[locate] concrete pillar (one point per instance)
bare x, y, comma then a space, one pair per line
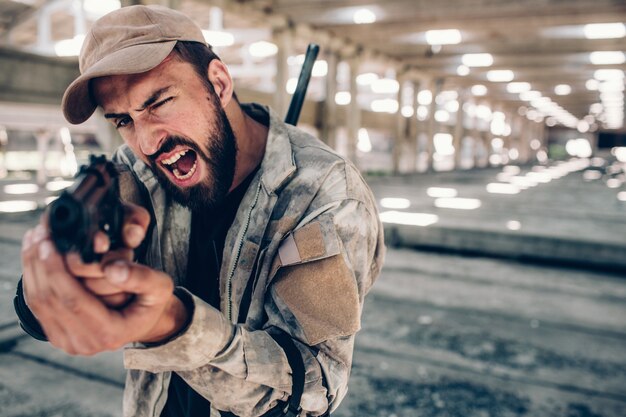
527, 136
43, 140
537, 129
489, 136
172, 4
400, 133
542, 135
476, 136
4, 141
80, 26
532, 156
414, 130
108, 137
329, 121
284, 40
44, 32
126, 3
459, 130
422, 127
508, 139
433, 125
515, 139
354, 111
69, 164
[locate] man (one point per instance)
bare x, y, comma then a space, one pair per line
260, 241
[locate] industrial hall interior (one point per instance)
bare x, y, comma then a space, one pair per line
491, 133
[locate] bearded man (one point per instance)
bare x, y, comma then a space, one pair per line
258, 242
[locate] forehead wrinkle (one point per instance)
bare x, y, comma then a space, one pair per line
153, 98
116, 91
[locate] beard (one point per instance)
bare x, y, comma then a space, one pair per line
219, 154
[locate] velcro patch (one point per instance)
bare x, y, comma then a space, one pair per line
323, 296
313, 241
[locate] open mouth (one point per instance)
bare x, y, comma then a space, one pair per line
182, 164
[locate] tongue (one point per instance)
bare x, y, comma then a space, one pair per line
185, 162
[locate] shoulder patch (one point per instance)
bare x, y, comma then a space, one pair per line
312, 241
323, 296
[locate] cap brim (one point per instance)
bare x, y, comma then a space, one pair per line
78, 104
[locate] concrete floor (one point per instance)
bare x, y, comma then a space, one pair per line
446, 331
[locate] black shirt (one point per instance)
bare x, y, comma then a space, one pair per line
206, 245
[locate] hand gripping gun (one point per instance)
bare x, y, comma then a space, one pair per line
92, 203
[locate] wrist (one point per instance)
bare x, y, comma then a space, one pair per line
174, 321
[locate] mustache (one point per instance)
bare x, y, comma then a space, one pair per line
170, 143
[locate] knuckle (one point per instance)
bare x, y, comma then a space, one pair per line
166, 285
40, 299
61, 343
93, 285
87, 351
71, 303
108, 341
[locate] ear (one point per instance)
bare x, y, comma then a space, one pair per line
221, 80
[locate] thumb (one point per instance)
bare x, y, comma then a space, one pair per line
151, 286
156, 313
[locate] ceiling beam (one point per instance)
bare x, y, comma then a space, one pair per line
495, 24
528, 45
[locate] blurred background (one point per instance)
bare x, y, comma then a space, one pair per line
492, 133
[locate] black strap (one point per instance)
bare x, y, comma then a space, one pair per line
28, 321
294, 357
291, 408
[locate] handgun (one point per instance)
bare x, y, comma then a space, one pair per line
90, 204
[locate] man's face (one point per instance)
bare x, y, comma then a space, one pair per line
174, 122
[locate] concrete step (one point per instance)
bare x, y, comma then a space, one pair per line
551, 249
566, 221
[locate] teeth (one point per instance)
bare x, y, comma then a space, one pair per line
179, 176
174, 158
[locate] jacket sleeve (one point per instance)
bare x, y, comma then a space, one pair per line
316, 297
27, 319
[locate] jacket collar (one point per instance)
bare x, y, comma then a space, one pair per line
277, 165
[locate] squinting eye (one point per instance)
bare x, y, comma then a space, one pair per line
123, 122
160, 103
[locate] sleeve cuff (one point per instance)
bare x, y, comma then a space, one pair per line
207, 334
27, 319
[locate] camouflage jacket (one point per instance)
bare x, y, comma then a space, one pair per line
308, 226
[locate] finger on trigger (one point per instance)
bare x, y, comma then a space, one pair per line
39, 233
101, 242
136, 222
78, 268
124, 254
136, 214
101, 287
117, 300
133, 235
27, 240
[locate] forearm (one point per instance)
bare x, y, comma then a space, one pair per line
220, 360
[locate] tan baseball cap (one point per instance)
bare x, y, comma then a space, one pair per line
130, 40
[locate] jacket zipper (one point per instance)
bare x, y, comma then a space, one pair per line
239, 246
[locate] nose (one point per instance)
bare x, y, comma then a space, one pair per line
149, 137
